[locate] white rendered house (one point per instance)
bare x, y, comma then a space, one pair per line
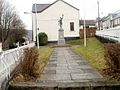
47, 17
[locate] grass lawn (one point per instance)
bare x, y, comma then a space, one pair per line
93, 52
75, 42
44, 55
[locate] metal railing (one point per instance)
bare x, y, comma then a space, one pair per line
9, 60
111, 34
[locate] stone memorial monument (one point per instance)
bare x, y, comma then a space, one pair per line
61, 40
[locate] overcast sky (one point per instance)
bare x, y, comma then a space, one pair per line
106, 6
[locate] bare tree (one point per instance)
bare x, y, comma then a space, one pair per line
12, 28
1, 17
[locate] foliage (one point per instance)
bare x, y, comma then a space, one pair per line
75, 42
32, 63
16, 35
93, 52
12, 28
43, 38
112, 57
29, 62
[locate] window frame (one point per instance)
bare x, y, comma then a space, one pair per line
72, 26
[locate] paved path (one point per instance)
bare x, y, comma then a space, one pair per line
65, 66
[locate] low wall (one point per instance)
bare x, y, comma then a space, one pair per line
9, 59
65, 86
106, 40
112, 34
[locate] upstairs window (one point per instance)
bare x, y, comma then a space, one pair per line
71, 26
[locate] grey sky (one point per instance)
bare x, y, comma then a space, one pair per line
106, 6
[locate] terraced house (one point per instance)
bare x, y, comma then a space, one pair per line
111, 21
110, 27
47, 16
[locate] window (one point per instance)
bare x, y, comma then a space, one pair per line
71, 26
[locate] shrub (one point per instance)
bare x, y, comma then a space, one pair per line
29, 62
43, 38
112, 57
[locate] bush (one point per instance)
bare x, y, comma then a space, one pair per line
43, 38
30, 62
112, 57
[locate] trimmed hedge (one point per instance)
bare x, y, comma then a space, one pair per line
112, 57
43, 38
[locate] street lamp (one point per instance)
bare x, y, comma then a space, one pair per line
98, 15
85, 41
1, 41
37, 39
1, 27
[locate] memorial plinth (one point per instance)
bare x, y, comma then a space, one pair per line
61, 40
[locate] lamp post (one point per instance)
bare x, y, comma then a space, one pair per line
36, 29
85, 41
98, 15
37, 39
1, 27
1, 41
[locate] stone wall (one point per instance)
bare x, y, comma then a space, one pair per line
9, 59
65, 86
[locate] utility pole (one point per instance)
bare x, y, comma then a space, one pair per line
85, 41
37, 39
98, 15
1, 27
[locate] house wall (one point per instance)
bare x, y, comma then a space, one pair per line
47, 21
116, 22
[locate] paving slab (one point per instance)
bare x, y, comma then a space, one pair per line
64, 66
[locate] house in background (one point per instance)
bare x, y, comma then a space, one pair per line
90, 28
48, 16
88, 23
110, 21
110, 27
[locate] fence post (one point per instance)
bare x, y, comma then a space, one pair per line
0, 46
18, 44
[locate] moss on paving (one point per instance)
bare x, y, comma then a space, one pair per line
93, 52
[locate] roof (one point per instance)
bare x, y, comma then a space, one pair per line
88, 22
42, 7
116, 15
112, 16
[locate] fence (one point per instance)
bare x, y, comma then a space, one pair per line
90, 32
9, 60
111, 34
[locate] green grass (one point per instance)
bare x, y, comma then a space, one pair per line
93, 52
44, 55
51, 44
74, 42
